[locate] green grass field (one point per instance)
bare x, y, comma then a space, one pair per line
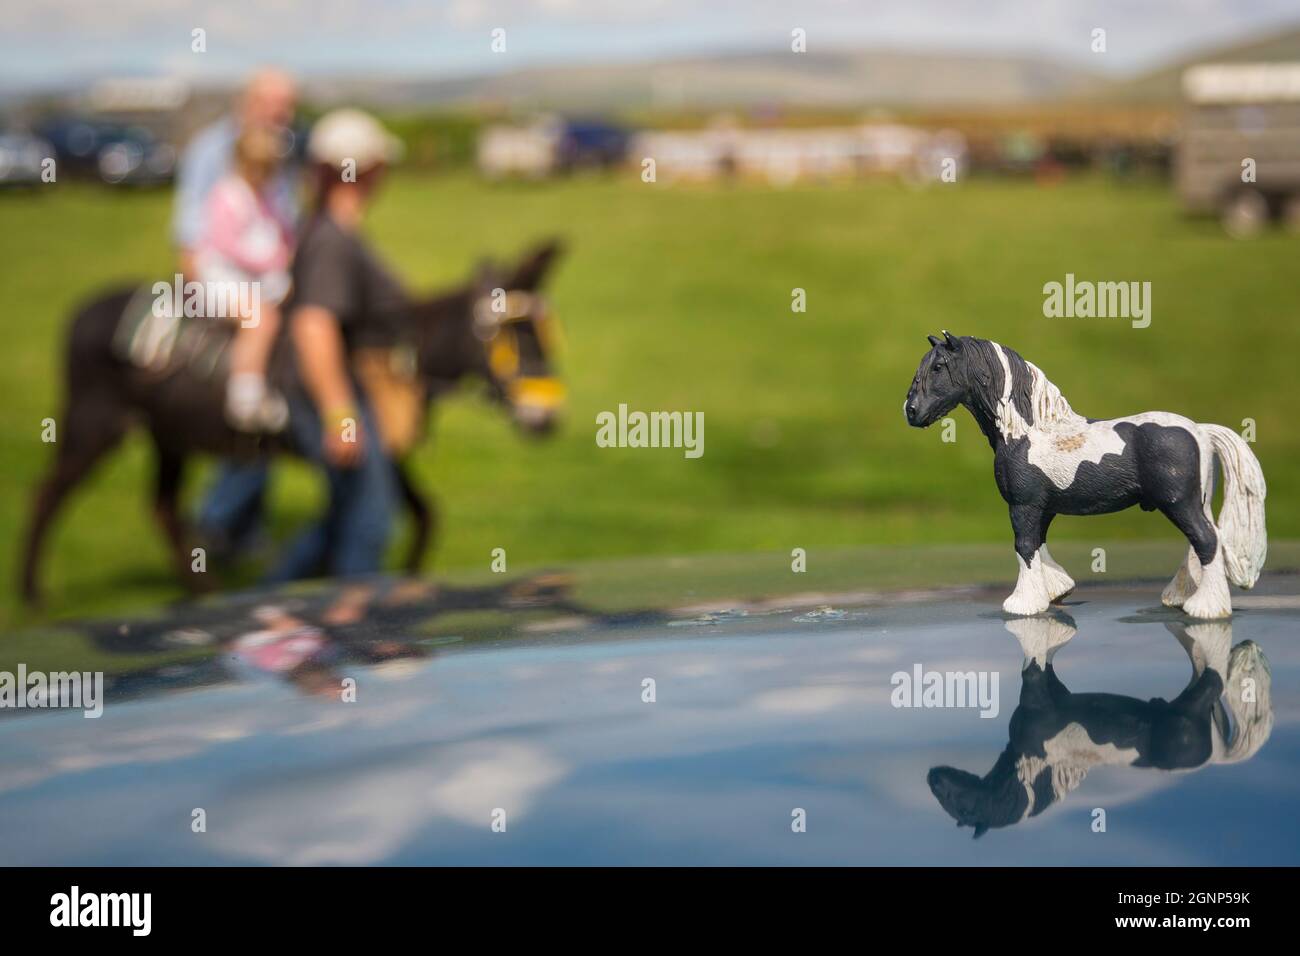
679, 298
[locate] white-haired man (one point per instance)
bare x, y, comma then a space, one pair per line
232, 511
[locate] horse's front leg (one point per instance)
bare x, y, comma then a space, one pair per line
1058, 580
1032, 594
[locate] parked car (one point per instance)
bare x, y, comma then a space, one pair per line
549, 146
21, 158
591, 144
111, 153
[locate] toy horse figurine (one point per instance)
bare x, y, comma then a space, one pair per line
1049, 460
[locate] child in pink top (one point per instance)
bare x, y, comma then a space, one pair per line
244, 241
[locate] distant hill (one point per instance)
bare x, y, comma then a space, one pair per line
1165, 83
833, 80
843, 79
827, 79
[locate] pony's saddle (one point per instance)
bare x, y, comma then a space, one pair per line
152, 336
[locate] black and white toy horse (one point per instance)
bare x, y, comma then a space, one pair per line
1049, 460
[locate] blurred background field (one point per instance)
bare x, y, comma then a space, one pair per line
679, 297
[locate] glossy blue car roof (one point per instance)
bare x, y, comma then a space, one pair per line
534, 739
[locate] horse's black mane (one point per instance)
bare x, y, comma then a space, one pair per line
979, 363
985, 376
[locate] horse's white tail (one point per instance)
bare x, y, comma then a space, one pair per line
1241, 519
1247, 693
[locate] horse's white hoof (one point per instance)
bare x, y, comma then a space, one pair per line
1057, 582
1025, 605
1178, 590
1040, 637
1208, 606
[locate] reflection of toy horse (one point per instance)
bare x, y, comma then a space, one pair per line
1224, 715
1049, 460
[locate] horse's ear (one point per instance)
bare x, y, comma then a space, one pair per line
934, 341
484, 272
950, 341
532, 269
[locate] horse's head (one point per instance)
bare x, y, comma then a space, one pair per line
997, 800
501, 330
941, 382
518, 333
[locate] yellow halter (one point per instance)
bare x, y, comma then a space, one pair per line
497, 328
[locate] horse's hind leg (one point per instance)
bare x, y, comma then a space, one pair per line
1188, 576
1211, 598
1185, 580
1055, 578
91, 429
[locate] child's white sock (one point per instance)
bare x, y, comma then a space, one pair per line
245, 393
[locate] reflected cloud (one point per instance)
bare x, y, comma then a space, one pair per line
367, 816
812, 699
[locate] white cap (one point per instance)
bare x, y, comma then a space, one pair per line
348, 134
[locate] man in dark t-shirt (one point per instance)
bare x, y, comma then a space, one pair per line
336, 270
343, 299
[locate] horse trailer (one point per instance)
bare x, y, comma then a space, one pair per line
1239, 154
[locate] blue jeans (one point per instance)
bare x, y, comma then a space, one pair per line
352, 535
231, 513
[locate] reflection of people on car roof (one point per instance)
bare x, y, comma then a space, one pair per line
283, 643
305, 636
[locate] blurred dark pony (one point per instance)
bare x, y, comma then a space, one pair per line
125, 366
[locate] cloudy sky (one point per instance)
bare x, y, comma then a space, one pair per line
51, 40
